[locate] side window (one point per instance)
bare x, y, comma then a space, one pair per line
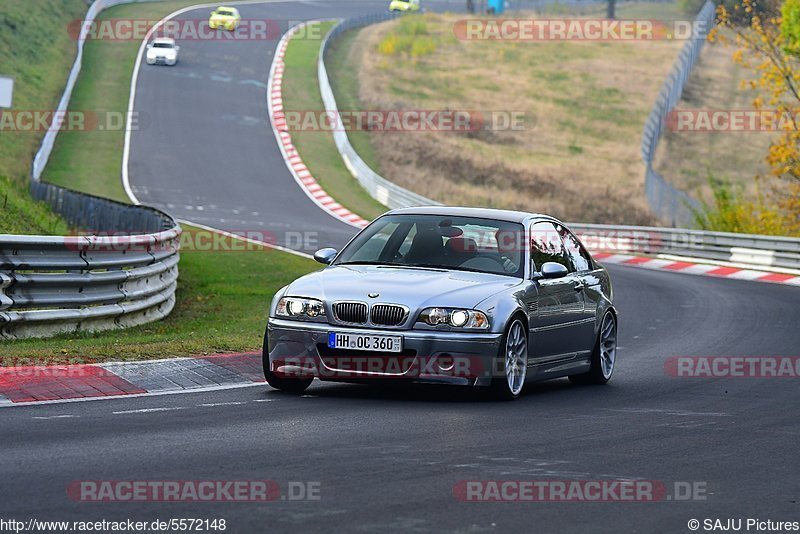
580, 259
546, 246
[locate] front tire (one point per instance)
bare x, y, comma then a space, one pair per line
604, 355
513, 360
281, 383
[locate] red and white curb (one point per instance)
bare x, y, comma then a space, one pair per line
689, 267
290, 155
32, 384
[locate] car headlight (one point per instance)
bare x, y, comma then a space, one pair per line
299, 307
454, 317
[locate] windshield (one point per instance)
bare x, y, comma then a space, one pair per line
225, 13
439, 242
162, 45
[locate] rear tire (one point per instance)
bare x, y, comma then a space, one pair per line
604, 355
281, 383
512, 359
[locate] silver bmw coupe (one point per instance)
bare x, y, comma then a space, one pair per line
470, 296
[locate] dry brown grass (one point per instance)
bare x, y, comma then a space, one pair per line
687, 159
585, 103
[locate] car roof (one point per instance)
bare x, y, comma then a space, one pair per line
480, 213
165, 40
227, 8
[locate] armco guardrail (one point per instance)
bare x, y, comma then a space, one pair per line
123, 277
381, 189
755, 251
666, 201
122, 273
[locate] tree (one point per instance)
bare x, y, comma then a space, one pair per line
767, 37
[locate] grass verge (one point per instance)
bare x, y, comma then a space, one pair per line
341, 55
222, 306
36, 50
301, 93
223, 295
584, 105
688, 158
91, 161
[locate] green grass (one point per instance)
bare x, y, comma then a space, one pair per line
584, 104
345, 87
91, 161
19, 214
223, 296
222, 305
36, 50
319, 153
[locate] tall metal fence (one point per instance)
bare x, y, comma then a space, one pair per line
121, 272
667, 202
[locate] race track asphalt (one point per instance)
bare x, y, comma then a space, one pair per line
387, 459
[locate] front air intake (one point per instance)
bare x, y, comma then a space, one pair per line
388, 314
350, 312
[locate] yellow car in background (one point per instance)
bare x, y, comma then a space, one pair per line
224, 18
404, 5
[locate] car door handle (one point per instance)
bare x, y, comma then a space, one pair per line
579, 286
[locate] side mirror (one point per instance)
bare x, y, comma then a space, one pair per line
149, 46
552, 270
177, 48
325, 255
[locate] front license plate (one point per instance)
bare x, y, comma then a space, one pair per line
370, 342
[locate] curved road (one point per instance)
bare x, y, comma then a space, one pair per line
388, 459
208, 154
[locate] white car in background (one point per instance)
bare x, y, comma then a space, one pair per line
162, 51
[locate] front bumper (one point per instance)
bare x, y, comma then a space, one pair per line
161, 61
222, 25
300, 349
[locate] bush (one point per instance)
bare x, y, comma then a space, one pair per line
729, 211
410, 37
388, 45
423, 46
412, 25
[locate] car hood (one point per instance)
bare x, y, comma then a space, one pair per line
415, 288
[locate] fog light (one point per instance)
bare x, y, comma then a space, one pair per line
445, 363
